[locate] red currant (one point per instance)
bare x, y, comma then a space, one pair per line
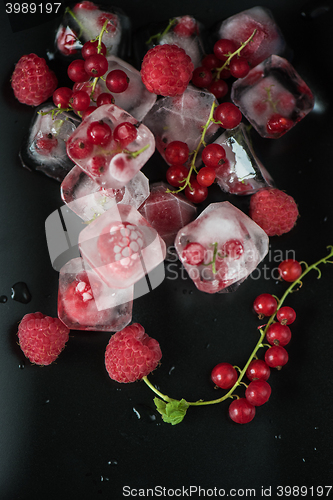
80, 100
125, 133
88, 111
76, 71
99, 133
219, 89
210, 61
79, 148
202, 77
239, 67
176, 174
233, 249
96, 65
276, 356
286, 315
265, 305
97, 165
290, 270
176, 153
90, 48
258, 392
228, 114
279, 124
196, 193
258, 369
278, 334
206, 176
117, 81
223, 48
213, 155
224, 375
61, 97
241, 411
104, 98
45, 144
194, 253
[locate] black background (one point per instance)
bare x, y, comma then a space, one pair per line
67, 430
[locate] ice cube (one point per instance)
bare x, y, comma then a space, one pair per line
221, 247
267, 40
181, 118
44, 148
85, 302
121, 246
273, 97
167, 212
242, 172
89, 200
114, 164
84, 21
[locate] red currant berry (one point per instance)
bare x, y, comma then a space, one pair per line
278, 334
76, 71
276, 356
196, 193
241, 411
239, 67
290, 270
206, 176
218, 88
125, 133
210, 61
202, 77
258, 392
88, 111
97, 165
224, 375
104, 98
80, 100
286, 315
111, 25
45, 144
117, 81
233, 249
176, 174
176, 153
258, 369
278, 124
90, 48
99, 133
61, 97
79, 148
96, 65
213, 155
194, 253
265, 305
228, 114
223, 48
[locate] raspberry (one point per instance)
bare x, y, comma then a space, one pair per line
273, 210
131, 354
166, 70
42, 338
32, 80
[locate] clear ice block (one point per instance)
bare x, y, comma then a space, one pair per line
121, 246
267, 40
181, 118
117, 165
273, 97
89, 200
85, 302
44, 148
167, 212
242, 172
83, 21
231, 246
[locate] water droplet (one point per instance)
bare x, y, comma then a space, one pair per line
3, 299
20, 292
145, 413
113, 462
136, 412
22, 365
171, 369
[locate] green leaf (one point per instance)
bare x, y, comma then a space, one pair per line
173, 412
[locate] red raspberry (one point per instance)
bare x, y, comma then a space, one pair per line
131, 354
42, 338
166, 70
32, 80
273, 210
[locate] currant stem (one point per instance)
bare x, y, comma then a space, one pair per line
158, 36
237, 52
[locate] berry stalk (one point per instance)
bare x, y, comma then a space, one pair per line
173, 411
237, 52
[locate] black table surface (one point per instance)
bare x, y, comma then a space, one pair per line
67, 430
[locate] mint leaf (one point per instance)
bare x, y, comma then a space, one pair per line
173, 412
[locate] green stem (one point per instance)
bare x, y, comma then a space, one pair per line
158, 36
237, 52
